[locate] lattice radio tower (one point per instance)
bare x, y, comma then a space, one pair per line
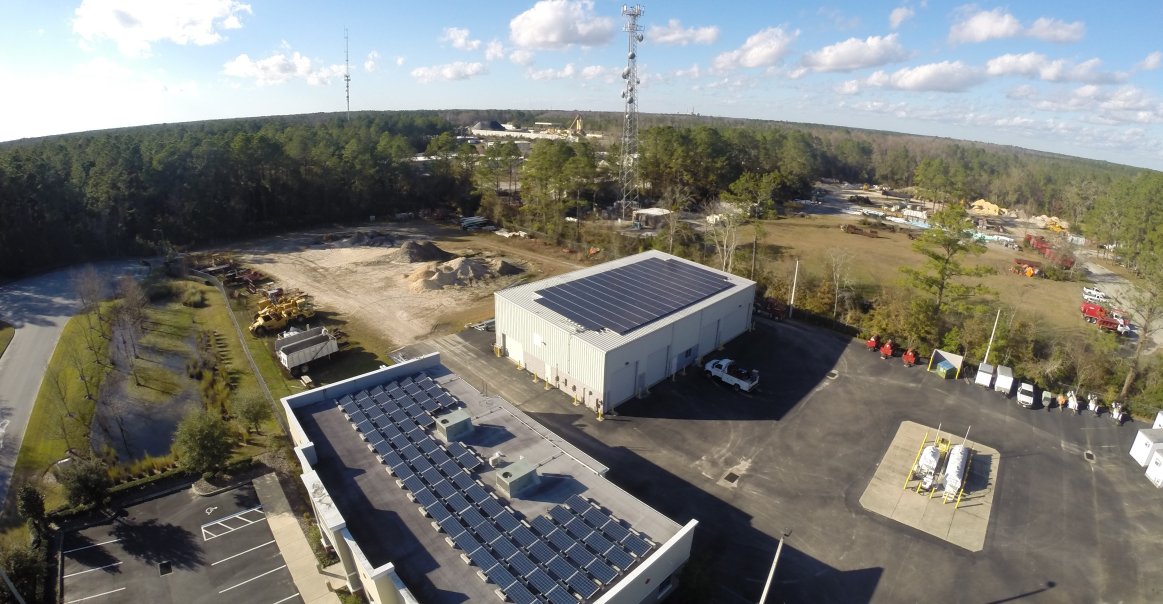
629, 161
347, 73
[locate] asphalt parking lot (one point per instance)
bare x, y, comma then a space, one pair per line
179, 548
1065, 527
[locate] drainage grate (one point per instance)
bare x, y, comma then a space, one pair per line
731, 477
165, 568
1089, 456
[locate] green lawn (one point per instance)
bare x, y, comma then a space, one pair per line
6, 333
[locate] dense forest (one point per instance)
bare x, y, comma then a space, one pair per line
120, 192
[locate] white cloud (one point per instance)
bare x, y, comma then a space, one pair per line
400, 61
494, 50
372, 62
945, 76
985, 25
853, 54
764, 49
1023, 92
280, 68
457, 70
1037, 65
521, 56
135, 25
848, 87
560, 24
458, 38
593, 72
1151, 62
899, 15
693, 72
552, 74
1053, 30
675, 34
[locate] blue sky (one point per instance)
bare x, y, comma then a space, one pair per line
1080, 78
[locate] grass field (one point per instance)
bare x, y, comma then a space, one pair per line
6, 333
876, 261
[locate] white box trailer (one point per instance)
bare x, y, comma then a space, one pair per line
1004, 382
985, 373
1158, 421
1155, 468
297, 351
1147, 442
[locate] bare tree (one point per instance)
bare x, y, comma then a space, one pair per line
839, 263
723, 220
90, 290
676, 200
133, 301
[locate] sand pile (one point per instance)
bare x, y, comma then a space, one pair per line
454, 273
358, 239
421, 251
506, 268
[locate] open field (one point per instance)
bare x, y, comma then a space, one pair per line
6, 333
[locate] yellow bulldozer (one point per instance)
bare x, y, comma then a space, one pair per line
273, 317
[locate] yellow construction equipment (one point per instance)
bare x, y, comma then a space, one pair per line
274, 317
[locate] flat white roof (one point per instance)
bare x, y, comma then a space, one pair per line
526, 295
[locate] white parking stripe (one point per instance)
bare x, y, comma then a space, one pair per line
241, 553
77, 549
96, 596
253, 579
90, 570
286, 598
221, 522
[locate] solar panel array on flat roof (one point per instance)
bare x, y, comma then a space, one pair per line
568, 555
627, 297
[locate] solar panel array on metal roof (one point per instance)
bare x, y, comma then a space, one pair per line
627, 297
570, 554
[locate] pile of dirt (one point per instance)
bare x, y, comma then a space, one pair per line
422, 251
358, 239
506, 268
454, 273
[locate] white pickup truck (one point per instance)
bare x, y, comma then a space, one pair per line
726, 371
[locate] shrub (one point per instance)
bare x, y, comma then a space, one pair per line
193, 297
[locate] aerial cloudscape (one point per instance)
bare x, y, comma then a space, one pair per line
1079, 78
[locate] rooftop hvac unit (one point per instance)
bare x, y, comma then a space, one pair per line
454, 425
517, 479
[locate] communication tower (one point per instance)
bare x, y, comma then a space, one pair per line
347, 73
628, 165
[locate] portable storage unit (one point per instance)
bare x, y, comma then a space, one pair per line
984, 377
1004, 383
1146, 443
1158, 421
1155, 468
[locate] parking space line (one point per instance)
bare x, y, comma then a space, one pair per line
253, 579
96, 596
221, 522
89, 570
241, 553
294, 595
77, 549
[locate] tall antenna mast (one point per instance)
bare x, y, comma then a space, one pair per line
628, 165
347, 72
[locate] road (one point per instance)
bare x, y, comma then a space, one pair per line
38, 308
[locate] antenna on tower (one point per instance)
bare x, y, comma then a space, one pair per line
347, 73
628, 165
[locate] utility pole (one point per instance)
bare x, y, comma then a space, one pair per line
791, 304
628, 166
989, 346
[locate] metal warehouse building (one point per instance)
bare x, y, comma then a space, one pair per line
607, 333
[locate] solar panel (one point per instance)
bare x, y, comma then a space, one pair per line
539, 580
430, 404
427, 445
619, 558
406, 425
491, 507
444, 489
393, 460
413, 409
402, 471
365, 427
461, 479
374, 437
519, 594
483, 559
413, 483
388, 405
405, 382
578, 529
431, 475
503, 548
457, 503
487, 532
560, 540
541, 551
398, 415
597, 543
374, 391
438, 512
615, 531
410, 452
560, 568
468, 460
378, 418
579, 555
424, 497
542, 525
578, 504
424, 420
595, 518
476, 494
451, 526
466, 541
637, 545
412, 389
349, 407
356, 416
500, 576
439, 457
380, 398
560, 515
627, 297
399, 441
523, 536
583, 585
507, 521
521, 564
471, 517
390, 431
602, 572
396, 392
382, 447
560, 596
456, 448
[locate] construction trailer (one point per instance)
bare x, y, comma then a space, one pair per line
985, 374
1155, 468
1004, 383
297, 351
607, 333
1147, 442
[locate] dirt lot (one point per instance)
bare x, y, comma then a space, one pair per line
392, 291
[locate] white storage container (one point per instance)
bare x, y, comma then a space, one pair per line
1158, 421
1004, 383
984, 377
1155, 468
1146, 443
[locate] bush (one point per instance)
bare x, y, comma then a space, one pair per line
27, 568
193, 297
202, 443
86, 481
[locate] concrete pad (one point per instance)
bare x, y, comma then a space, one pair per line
963, 523
300, 559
